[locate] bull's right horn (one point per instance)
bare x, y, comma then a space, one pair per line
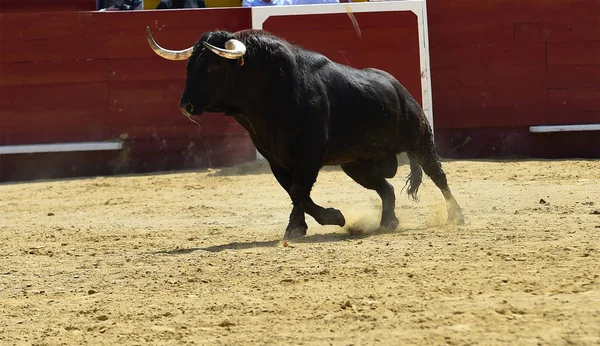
234, 49
166, 53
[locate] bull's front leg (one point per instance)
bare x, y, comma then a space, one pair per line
304, 152
324, 216
297, 225
307, 158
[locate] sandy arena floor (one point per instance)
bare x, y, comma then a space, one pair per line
196, 258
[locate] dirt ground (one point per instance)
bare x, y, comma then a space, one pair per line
197, 257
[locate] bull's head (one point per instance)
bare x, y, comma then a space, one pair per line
210, 70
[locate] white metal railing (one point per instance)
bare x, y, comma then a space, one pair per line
59, 147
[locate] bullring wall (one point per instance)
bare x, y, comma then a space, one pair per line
90, 76
501, 66
497, 67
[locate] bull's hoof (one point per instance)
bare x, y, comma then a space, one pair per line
456, 218
331, 216
390, 223
295, 231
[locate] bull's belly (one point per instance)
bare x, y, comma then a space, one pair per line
337, 155
372, 139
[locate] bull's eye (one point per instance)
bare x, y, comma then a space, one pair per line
213, 68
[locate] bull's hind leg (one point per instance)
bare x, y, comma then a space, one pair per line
429, 160
372, 175
324, 216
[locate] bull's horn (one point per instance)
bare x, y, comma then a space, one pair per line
166, 53
234, 49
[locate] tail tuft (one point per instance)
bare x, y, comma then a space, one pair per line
414, 179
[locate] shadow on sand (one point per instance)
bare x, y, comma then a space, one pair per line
351, 234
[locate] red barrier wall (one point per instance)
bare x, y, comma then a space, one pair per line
500, 66
90, 76
497, 67
22, 6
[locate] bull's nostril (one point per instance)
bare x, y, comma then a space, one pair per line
189, 108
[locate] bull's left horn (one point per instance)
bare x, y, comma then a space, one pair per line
166, 53
234, 49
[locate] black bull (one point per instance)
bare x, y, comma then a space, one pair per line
304, 111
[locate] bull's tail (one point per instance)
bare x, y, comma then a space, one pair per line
414, 179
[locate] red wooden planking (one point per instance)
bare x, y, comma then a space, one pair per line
511, 75
151, 69
199, 20
43, 97
564, 116
511, 96
510, 141
346, 38
505, 67
439, 11
506, 75
38, 26
137, 157
94, 35
584, 13
575, 99
505, 96
448, 78
53, 72
166, 114
583, 19
586, 31
182, 153
549, 11
18, 6
70, 124
230, 150
500, 11
336, 21
515, 53
456, 65
72, 47
52, 36
586, 52
25, 167
210, 125
543, 32
396, 61
137, 92
151, 131
444, 98
455, 57
572, 76
159, 113
501, 116
466, 34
